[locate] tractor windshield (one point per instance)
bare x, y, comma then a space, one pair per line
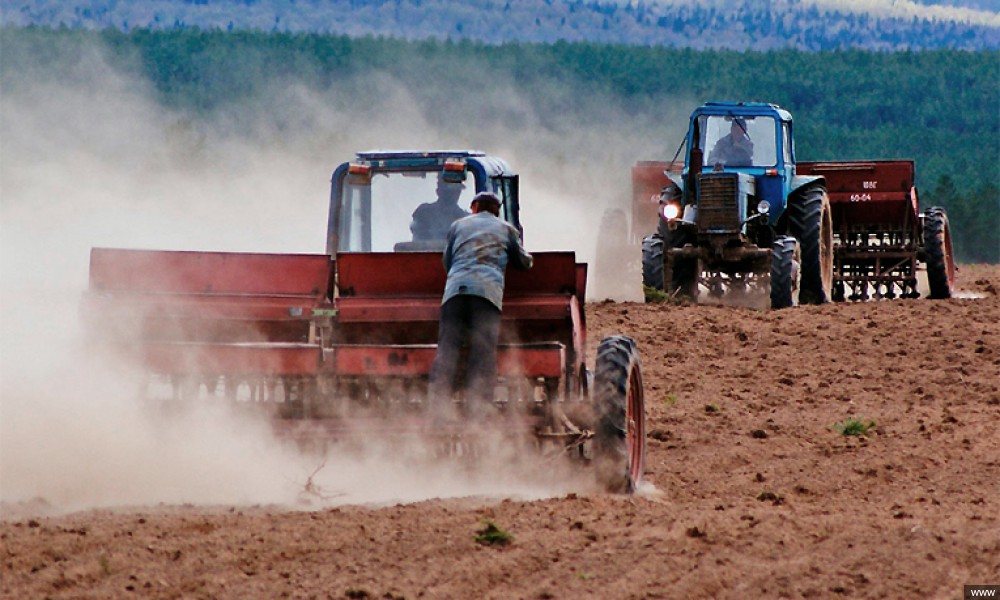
738, 141
400, 211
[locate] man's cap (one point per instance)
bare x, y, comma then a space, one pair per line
487, 198
742, 124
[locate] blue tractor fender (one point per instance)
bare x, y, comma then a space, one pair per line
800, 181
676, 178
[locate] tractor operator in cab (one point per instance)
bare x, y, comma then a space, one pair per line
734, 149
431, 220
479, 248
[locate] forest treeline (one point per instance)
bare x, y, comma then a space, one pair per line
938, 107
730, 24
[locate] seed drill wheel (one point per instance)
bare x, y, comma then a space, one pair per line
810, 221
619, 449
937, 246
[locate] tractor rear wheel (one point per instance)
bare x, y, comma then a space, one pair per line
937, 246
784, 271
810, 221
619, 447
652, 261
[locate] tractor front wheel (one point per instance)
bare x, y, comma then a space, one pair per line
937, 246
652, 261
784, 271
619, 446
810, 222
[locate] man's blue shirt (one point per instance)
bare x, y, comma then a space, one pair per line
476, 257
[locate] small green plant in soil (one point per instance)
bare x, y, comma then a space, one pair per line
652, 294
492, 535
657, 296
854, 426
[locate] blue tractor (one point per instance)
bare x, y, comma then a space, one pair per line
738, 220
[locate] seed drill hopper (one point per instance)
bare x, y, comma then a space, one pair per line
880, 235
341, 343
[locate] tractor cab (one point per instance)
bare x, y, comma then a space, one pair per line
746, 146
406, 201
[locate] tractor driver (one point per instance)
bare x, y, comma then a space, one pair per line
431, 220
479, 248
734, 149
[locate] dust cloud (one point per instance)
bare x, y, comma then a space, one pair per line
89, 158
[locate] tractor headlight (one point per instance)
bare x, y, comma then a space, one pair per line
670, 211
763, 207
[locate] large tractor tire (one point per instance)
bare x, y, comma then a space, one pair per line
652, 261
784, 271
681, 280
810, 221
619, 445
937, 247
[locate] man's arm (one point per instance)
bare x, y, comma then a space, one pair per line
518, 256
449, 250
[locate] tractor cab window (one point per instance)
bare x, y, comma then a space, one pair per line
786, 143
400, 211
738, 141
506, 187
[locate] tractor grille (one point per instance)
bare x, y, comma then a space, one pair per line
718, 211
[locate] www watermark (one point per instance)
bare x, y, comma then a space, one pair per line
979, 592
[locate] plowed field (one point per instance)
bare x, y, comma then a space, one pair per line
753, 492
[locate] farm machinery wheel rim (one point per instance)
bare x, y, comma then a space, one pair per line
636, 434
826, 246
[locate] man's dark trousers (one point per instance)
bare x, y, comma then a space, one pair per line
473, 321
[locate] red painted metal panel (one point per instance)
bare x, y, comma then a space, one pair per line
209, 272
552, 273
539, 307
406, 361
399, 275
581, 283
248, 308
542, 360
352, 309
529, 360
869, 193
416, 274
232, 359
205, 297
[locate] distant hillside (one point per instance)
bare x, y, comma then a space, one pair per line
704, 24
